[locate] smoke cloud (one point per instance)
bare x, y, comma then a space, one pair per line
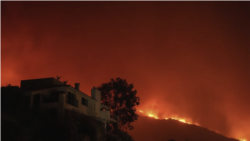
185, 59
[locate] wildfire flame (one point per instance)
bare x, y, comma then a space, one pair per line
183, 120
150, 115
173, 118
141, 111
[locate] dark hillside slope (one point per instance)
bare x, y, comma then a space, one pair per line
149, 129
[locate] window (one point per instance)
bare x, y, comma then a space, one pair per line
84, 101
71, 99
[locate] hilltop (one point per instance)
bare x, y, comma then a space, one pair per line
148, 129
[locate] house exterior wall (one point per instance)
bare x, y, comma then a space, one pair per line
87, 110
105, 115
93, 107
43, 106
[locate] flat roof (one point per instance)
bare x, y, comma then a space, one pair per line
49, 87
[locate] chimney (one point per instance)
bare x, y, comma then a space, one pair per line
96, 94
77, 85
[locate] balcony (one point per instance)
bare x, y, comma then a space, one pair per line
52, 97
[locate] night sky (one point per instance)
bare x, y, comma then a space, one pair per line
189, 59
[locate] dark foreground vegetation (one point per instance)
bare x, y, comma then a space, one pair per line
21, 124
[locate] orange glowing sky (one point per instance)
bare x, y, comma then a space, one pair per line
186, 59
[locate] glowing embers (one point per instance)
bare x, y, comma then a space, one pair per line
150, 115
179, 119
173, 118
183, 120
140, 111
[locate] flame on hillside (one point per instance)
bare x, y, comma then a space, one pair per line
173, 118
183, 120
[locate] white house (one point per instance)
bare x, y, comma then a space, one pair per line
56, 97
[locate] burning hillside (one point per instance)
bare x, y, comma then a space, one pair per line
150, 127
173, 121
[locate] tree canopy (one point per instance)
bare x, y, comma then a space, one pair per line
120, 97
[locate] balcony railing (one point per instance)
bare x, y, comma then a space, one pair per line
52, 97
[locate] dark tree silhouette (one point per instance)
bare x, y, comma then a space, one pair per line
121, 99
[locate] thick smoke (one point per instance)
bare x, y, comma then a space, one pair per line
185, 59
